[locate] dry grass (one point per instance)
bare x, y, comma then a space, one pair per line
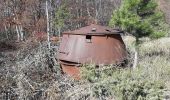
164, 5
27, 75
24, 75
156, 47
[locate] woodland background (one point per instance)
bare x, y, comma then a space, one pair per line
29, 70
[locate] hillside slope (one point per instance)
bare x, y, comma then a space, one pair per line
164, 5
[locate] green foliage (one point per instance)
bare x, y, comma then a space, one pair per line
61, 15
123, 84
140, 18
158, 34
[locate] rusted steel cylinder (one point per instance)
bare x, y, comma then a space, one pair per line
92, 44
71, 69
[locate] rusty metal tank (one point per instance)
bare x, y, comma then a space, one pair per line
91, 44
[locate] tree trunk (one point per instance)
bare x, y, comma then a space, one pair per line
136, 53
6, 32
18, 33
21, 33
135, 59
59, 33
48, 34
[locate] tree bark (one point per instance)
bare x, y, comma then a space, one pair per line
18, 34
6, 32
59, 33
136, 53
48, 34
21, 33
135, 59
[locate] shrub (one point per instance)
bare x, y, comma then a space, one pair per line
123, 84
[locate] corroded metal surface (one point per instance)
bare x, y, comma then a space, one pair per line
94, 30
98, 50
72, 70
92, 44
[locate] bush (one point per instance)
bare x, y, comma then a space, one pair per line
123, 84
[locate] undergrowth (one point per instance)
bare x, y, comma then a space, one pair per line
27, 75
149, 81
124, 84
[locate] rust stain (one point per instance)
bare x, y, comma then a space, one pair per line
92, 44
71, 69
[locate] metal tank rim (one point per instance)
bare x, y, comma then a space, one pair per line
94, 29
